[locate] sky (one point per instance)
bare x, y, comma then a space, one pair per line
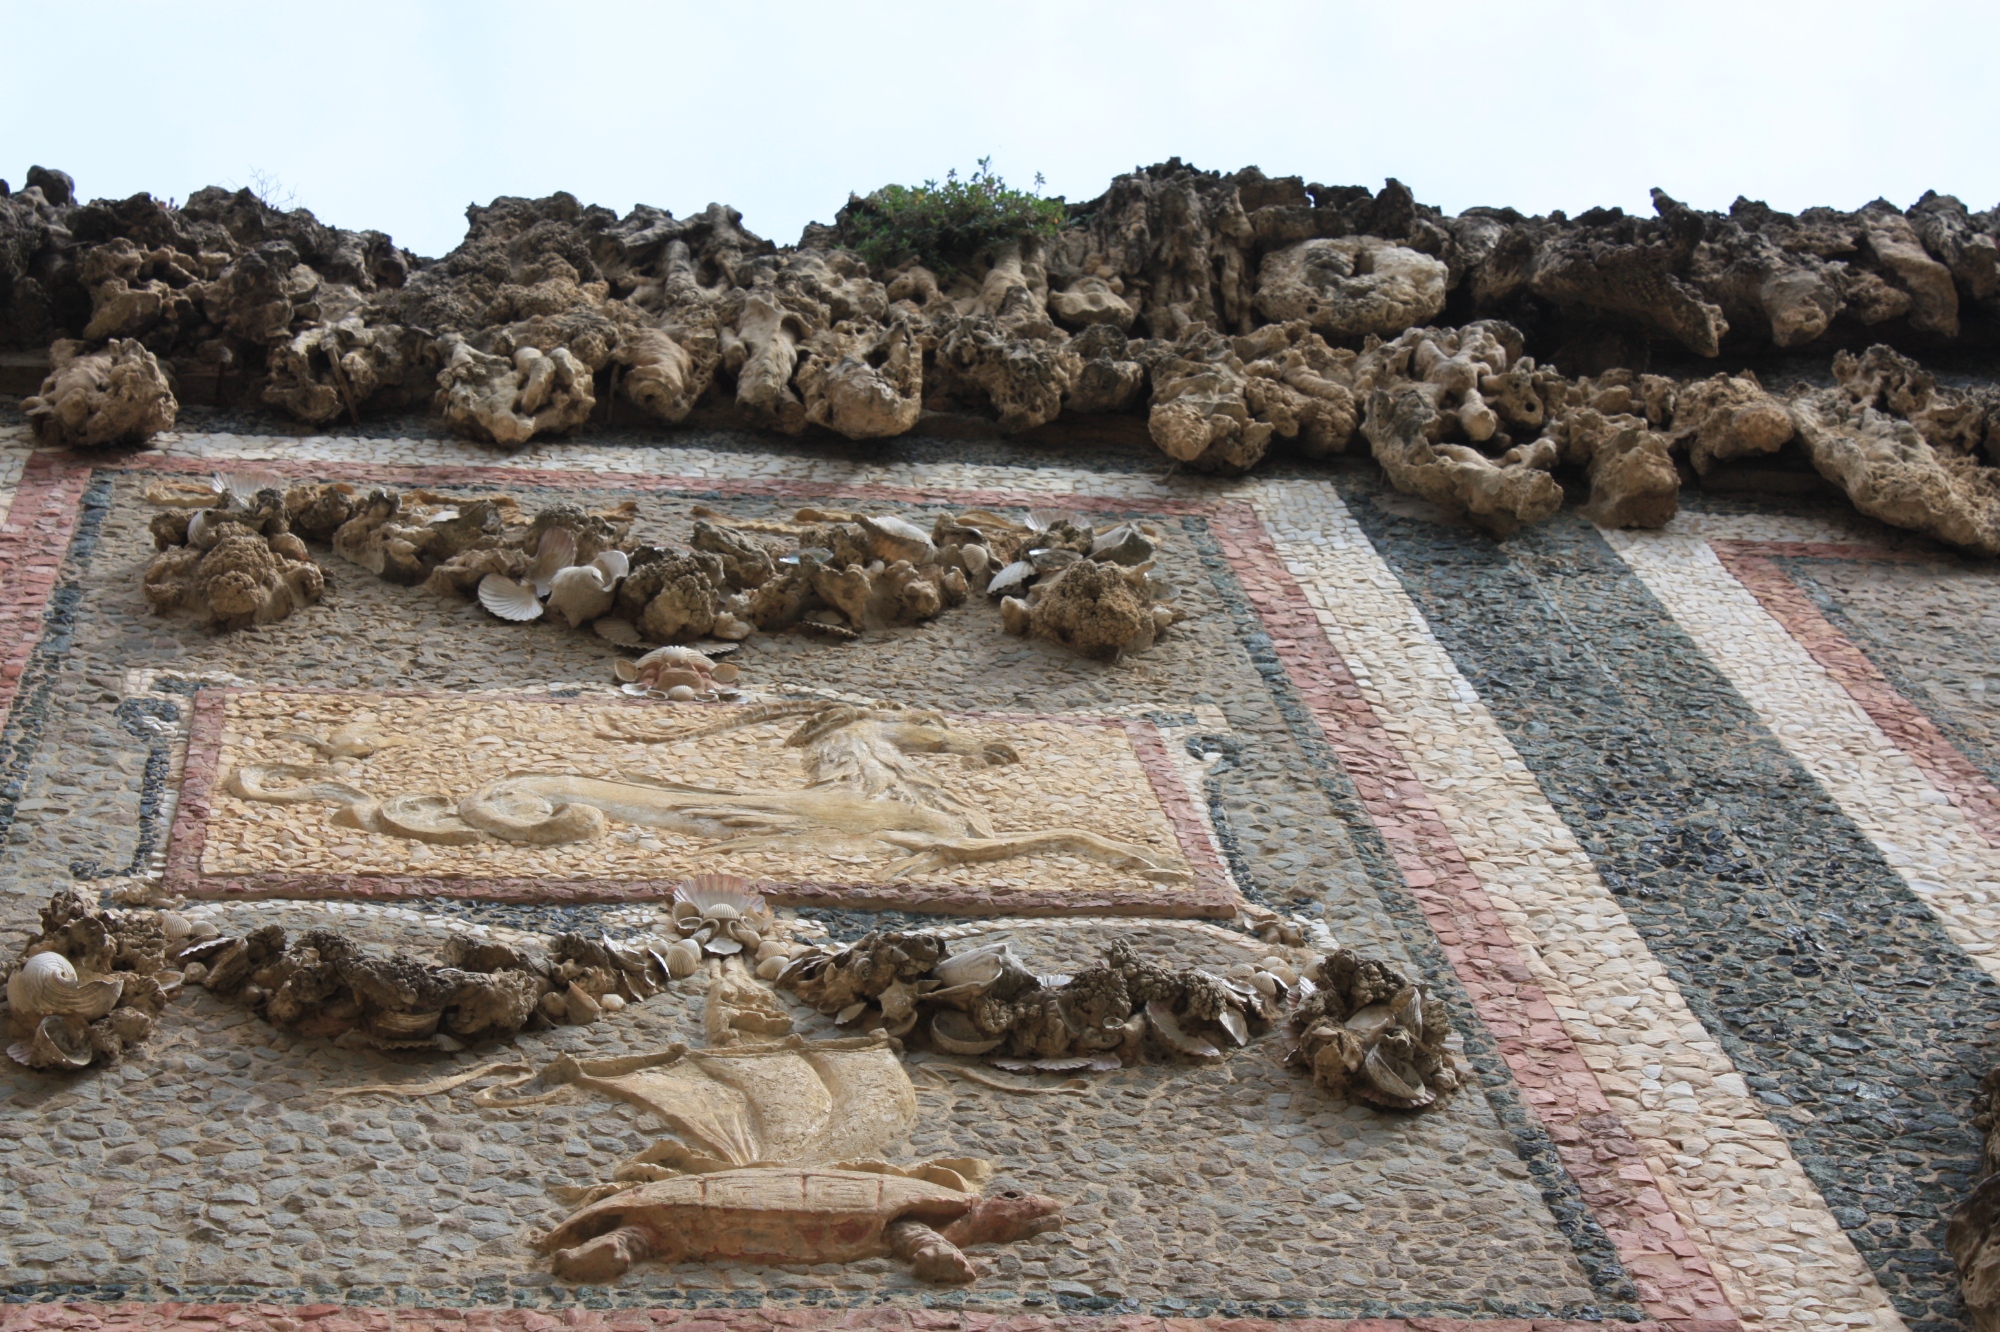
395, 116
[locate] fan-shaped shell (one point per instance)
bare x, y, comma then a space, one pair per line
682, 958
613, 564
557, 550
676, 655
508, 599
1011, 579
47, 983
1161, 1016
700, 896
620, 632
404, 1026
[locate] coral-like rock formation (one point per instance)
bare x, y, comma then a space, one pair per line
232, 564
323, 984
117, 395
92, 983
1368, 1032
1238, 312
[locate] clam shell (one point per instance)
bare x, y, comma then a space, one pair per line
723, 946
953, 1032
556, 551
770, 968
727, 672
508, 599
47, 983
617, 631
1011, 579
850, 1013
611, 1003
1232, 1022
624, 668
404, 1026
683, 957
613, 564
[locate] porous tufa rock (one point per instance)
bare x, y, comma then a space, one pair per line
116, 395
1499, 496
1301, 386
1201, 412
1892, 473
1096, 609
864, 383
1727, 417
232, 567
508, 400
1351, 285
347, 366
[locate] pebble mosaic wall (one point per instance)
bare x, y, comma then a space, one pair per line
1696, 832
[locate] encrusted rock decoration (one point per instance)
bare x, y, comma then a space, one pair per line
1365, 1032
92, 984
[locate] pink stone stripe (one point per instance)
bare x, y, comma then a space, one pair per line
1674, 1280
1211, 896
136, 1317
1755, 565
32, 542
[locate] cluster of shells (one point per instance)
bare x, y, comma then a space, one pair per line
323, 984
1358, 1026
721, 916
825, 573
228, 555
92, 983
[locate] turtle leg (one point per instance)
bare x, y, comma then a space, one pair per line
607, 1257
930, 1255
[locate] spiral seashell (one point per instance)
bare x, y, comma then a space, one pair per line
47, 983
57, 1043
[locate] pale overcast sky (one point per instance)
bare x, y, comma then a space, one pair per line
396, 115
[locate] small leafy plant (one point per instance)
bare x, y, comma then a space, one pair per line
943, 226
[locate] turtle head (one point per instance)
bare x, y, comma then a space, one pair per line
1006, 1216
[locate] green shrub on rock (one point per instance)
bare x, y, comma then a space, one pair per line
943, 226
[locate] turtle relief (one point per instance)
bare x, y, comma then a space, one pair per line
870, 793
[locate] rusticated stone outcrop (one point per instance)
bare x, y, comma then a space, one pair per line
1234, 313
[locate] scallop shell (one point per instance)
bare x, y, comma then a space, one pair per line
702, 895
1041, 520
404, 1026
1015, 576
1161, 1016
508, 599
613, 564
556, 551
723, 946
682, 959
624, 668
618, 631
47, 983
1232, 1022
953, 1032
